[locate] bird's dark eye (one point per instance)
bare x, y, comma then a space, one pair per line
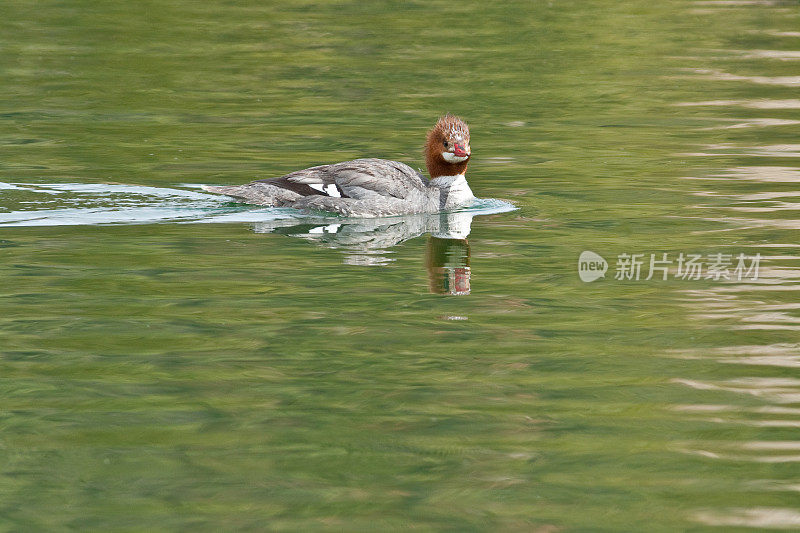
446, 144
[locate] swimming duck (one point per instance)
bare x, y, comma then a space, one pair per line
374, 187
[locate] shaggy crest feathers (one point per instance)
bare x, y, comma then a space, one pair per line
453, 127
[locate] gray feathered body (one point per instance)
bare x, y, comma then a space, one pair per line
363, 187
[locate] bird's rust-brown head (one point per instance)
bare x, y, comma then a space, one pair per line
447, 150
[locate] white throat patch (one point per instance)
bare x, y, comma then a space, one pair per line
452, 158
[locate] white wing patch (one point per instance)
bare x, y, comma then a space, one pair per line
329, 189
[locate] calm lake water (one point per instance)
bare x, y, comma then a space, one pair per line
172, 361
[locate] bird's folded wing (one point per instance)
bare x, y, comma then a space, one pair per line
362, 178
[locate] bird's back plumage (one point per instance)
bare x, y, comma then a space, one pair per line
362, 186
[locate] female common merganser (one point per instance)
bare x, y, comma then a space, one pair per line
374, 187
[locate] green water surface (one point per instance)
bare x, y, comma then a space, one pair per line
204, 377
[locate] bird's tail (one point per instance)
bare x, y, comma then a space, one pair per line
230, 190
254, 193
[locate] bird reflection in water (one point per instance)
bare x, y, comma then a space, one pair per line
368, 241
447, 261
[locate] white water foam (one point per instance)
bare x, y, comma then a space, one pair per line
69, 204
